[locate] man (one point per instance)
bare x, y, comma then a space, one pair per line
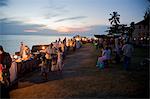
127, 52
49, 51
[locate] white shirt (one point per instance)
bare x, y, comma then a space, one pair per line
127, 50
49, 51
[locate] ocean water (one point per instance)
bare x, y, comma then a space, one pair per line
11, 43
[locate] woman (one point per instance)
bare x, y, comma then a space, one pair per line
59, 64
26, 53
5, 62
59, 59
106, 55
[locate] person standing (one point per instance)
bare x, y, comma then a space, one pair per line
26, 53
127, 52
60, 60
21, 49
49, 51
5, 62
44, 68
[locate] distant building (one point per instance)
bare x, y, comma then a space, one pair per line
142, 29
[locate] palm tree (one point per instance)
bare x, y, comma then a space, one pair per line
114, 20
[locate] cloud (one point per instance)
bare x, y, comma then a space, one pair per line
98, 29
3, 19
8, 27
30, 30
87, 30
71, 18
54, 9
72, 29
49, 16
3, 3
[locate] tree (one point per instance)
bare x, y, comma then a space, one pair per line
114, 20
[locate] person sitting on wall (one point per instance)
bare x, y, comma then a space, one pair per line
104, 58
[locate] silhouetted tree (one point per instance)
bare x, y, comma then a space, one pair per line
114, 20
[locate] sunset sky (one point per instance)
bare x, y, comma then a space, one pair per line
66, 16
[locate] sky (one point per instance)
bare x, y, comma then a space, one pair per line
66, 16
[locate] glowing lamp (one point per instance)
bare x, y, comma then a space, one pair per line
95, 38
43, 47
70, 44
147, 38
141, 38
67, 44
134, 38
83, 39
77, 39
15, 56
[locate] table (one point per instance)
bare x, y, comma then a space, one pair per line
27, 66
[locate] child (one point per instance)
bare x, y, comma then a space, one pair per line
44, 68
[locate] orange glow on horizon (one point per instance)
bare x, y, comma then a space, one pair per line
30, 30
70, 29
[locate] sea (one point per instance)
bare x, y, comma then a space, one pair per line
11, 43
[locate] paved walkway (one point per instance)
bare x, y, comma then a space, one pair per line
74, 60
81, 78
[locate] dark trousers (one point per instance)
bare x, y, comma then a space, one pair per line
126, 63
117, 58
4, 93
49, 63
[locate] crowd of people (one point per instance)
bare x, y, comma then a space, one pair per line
53, 56
118, 47
52, 60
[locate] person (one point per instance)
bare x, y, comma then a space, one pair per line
1, 74
106, 56
26, 53
5, 62
44, 68
117, 50
63, 49
74, 45
127, 52
21, 49
48, 55
59, 59
58, 65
